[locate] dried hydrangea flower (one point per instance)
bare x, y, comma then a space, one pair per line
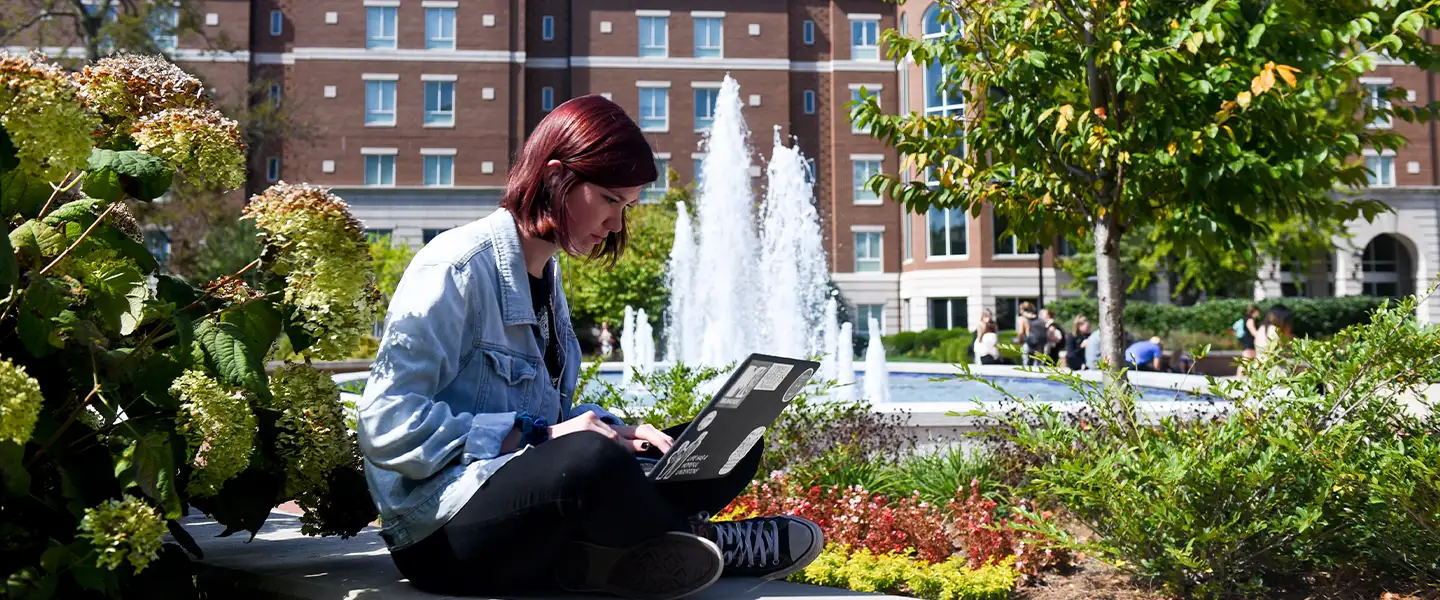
313, 438
322, 253
20, 402
41, 110
123, 530
125, 87
218, 426
232, 288
202, 144
123, 219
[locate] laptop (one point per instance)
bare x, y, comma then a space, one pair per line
734, 420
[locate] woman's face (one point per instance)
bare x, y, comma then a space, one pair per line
596, 212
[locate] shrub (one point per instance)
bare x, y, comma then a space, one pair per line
1313, 317
134, 393
894, 573
674, 391
1319, 468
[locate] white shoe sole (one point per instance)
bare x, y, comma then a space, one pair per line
673, 565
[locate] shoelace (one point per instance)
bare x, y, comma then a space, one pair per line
749, 543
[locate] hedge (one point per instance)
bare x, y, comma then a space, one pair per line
1314, 317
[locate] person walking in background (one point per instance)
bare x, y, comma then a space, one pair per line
1093, 346
607, 341
1030, 334
1075, 343
986, 319
1054, 336
1248, 329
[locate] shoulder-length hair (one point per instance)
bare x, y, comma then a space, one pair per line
595, 142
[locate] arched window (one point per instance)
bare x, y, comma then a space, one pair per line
933, 27
1388, 270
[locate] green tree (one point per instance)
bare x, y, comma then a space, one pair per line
599, 293
390, 259
1211, 121
102, 26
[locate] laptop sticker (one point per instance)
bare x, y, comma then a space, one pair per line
684, 461
705, 421
774, 377
745, 385
741, 450
797, 385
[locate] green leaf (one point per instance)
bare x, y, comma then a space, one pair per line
9, 267
77, 216
83, 211
37, 334
21, 195
152, 467
244, 503
114, 175
34, 241
120, 297
9, 154
1255, 33
184, 538
236, 344
12, 469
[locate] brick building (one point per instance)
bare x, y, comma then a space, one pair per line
417, 107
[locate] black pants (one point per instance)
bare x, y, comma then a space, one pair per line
579, 487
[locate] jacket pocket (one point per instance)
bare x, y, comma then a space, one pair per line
506, 381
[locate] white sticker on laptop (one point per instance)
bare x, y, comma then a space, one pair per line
741, 450
744, 385
774, 377
705, 421
683, 460
797, 385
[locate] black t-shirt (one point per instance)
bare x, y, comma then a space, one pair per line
540, 292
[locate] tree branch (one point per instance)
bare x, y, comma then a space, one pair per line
11, 33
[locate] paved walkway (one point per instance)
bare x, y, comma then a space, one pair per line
282, 563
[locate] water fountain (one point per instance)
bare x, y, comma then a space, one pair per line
684, 335
845, 363
877, 373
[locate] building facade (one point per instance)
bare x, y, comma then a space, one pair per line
414, 110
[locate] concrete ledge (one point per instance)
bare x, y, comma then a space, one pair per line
283, 564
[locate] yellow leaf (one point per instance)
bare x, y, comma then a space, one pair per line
1263, 82
1115, 46
1174, 24
1287, 73
1193, 42
1125, 158
1229, 131
1243, 99
1067, 113
1171, 148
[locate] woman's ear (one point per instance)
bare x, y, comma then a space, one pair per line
552, 166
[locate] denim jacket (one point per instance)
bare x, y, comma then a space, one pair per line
459, 360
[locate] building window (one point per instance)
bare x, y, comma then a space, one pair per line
1376, 99
859, 95
1384, 262
807, 32
440, 103
947, 227
907, 241
863, 314
809, 102
654, 109
654, 36
379, 103
1381, 170
1006, 242
949, 313
277, 22
426, 235
863, 171
656, 190
439, 171
439, 29
380, 27
274, 94
868, 252
547, 28
865, 39
933, 27
272, 169
164, 22
705, 107
709, 36
380, 169
1006, 310
547, 98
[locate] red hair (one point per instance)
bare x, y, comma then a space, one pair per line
595, 142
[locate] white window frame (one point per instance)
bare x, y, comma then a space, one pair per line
863, 21
711, 87
378, 40
1377, 177
437, 155
380, 81
653, 193
272, 169
949, 214
907, 237
168, 41
547, 98
277, 22
995, 235
642, 17
1374, 88
380, 154
808, 101
858, 184
857, 92
862, 320
547, 28
663, 88
878, 260
439, 82
439, 42
709, 17
807, 32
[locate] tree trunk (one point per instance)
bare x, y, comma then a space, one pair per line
1110, 285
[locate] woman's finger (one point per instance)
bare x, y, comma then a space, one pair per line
655, 437
638, 446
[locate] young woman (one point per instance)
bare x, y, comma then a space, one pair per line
488, 480
987, 348
1075, 343
1249, 335
986, 318
1031, 333
1276, 329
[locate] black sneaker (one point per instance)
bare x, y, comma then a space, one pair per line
766, 547
673, 565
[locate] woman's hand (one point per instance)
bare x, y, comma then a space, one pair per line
642, 438
586, 421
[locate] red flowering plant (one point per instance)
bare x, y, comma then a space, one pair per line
988, 539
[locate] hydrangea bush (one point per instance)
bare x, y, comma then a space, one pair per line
128, 395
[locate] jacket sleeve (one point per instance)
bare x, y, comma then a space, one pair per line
401, 427
604, 415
